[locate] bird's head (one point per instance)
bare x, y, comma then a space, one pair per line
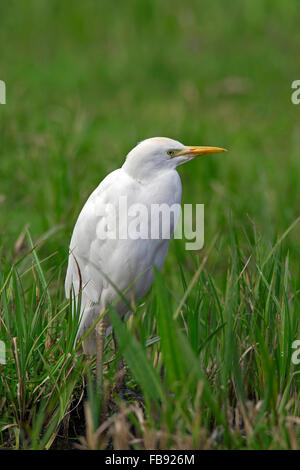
153, 156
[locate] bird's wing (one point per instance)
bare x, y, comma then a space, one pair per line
88, 252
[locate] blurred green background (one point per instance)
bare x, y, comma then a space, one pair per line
87, 80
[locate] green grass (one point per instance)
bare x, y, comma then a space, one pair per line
210, 348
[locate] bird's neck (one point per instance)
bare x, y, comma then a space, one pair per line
145, 173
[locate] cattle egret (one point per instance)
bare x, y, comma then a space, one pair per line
100, 267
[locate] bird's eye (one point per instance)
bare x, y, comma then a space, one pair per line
171, 153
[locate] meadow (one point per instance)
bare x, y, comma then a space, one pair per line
208, 353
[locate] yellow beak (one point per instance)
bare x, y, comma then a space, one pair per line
196, 151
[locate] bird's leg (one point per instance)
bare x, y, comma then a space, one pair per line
120, 386
120, 370
115, 342
100, 338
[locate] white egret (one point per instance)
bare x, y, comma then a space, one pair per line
105, 266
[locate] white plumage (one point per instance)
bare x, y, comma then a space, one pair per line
147, 177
